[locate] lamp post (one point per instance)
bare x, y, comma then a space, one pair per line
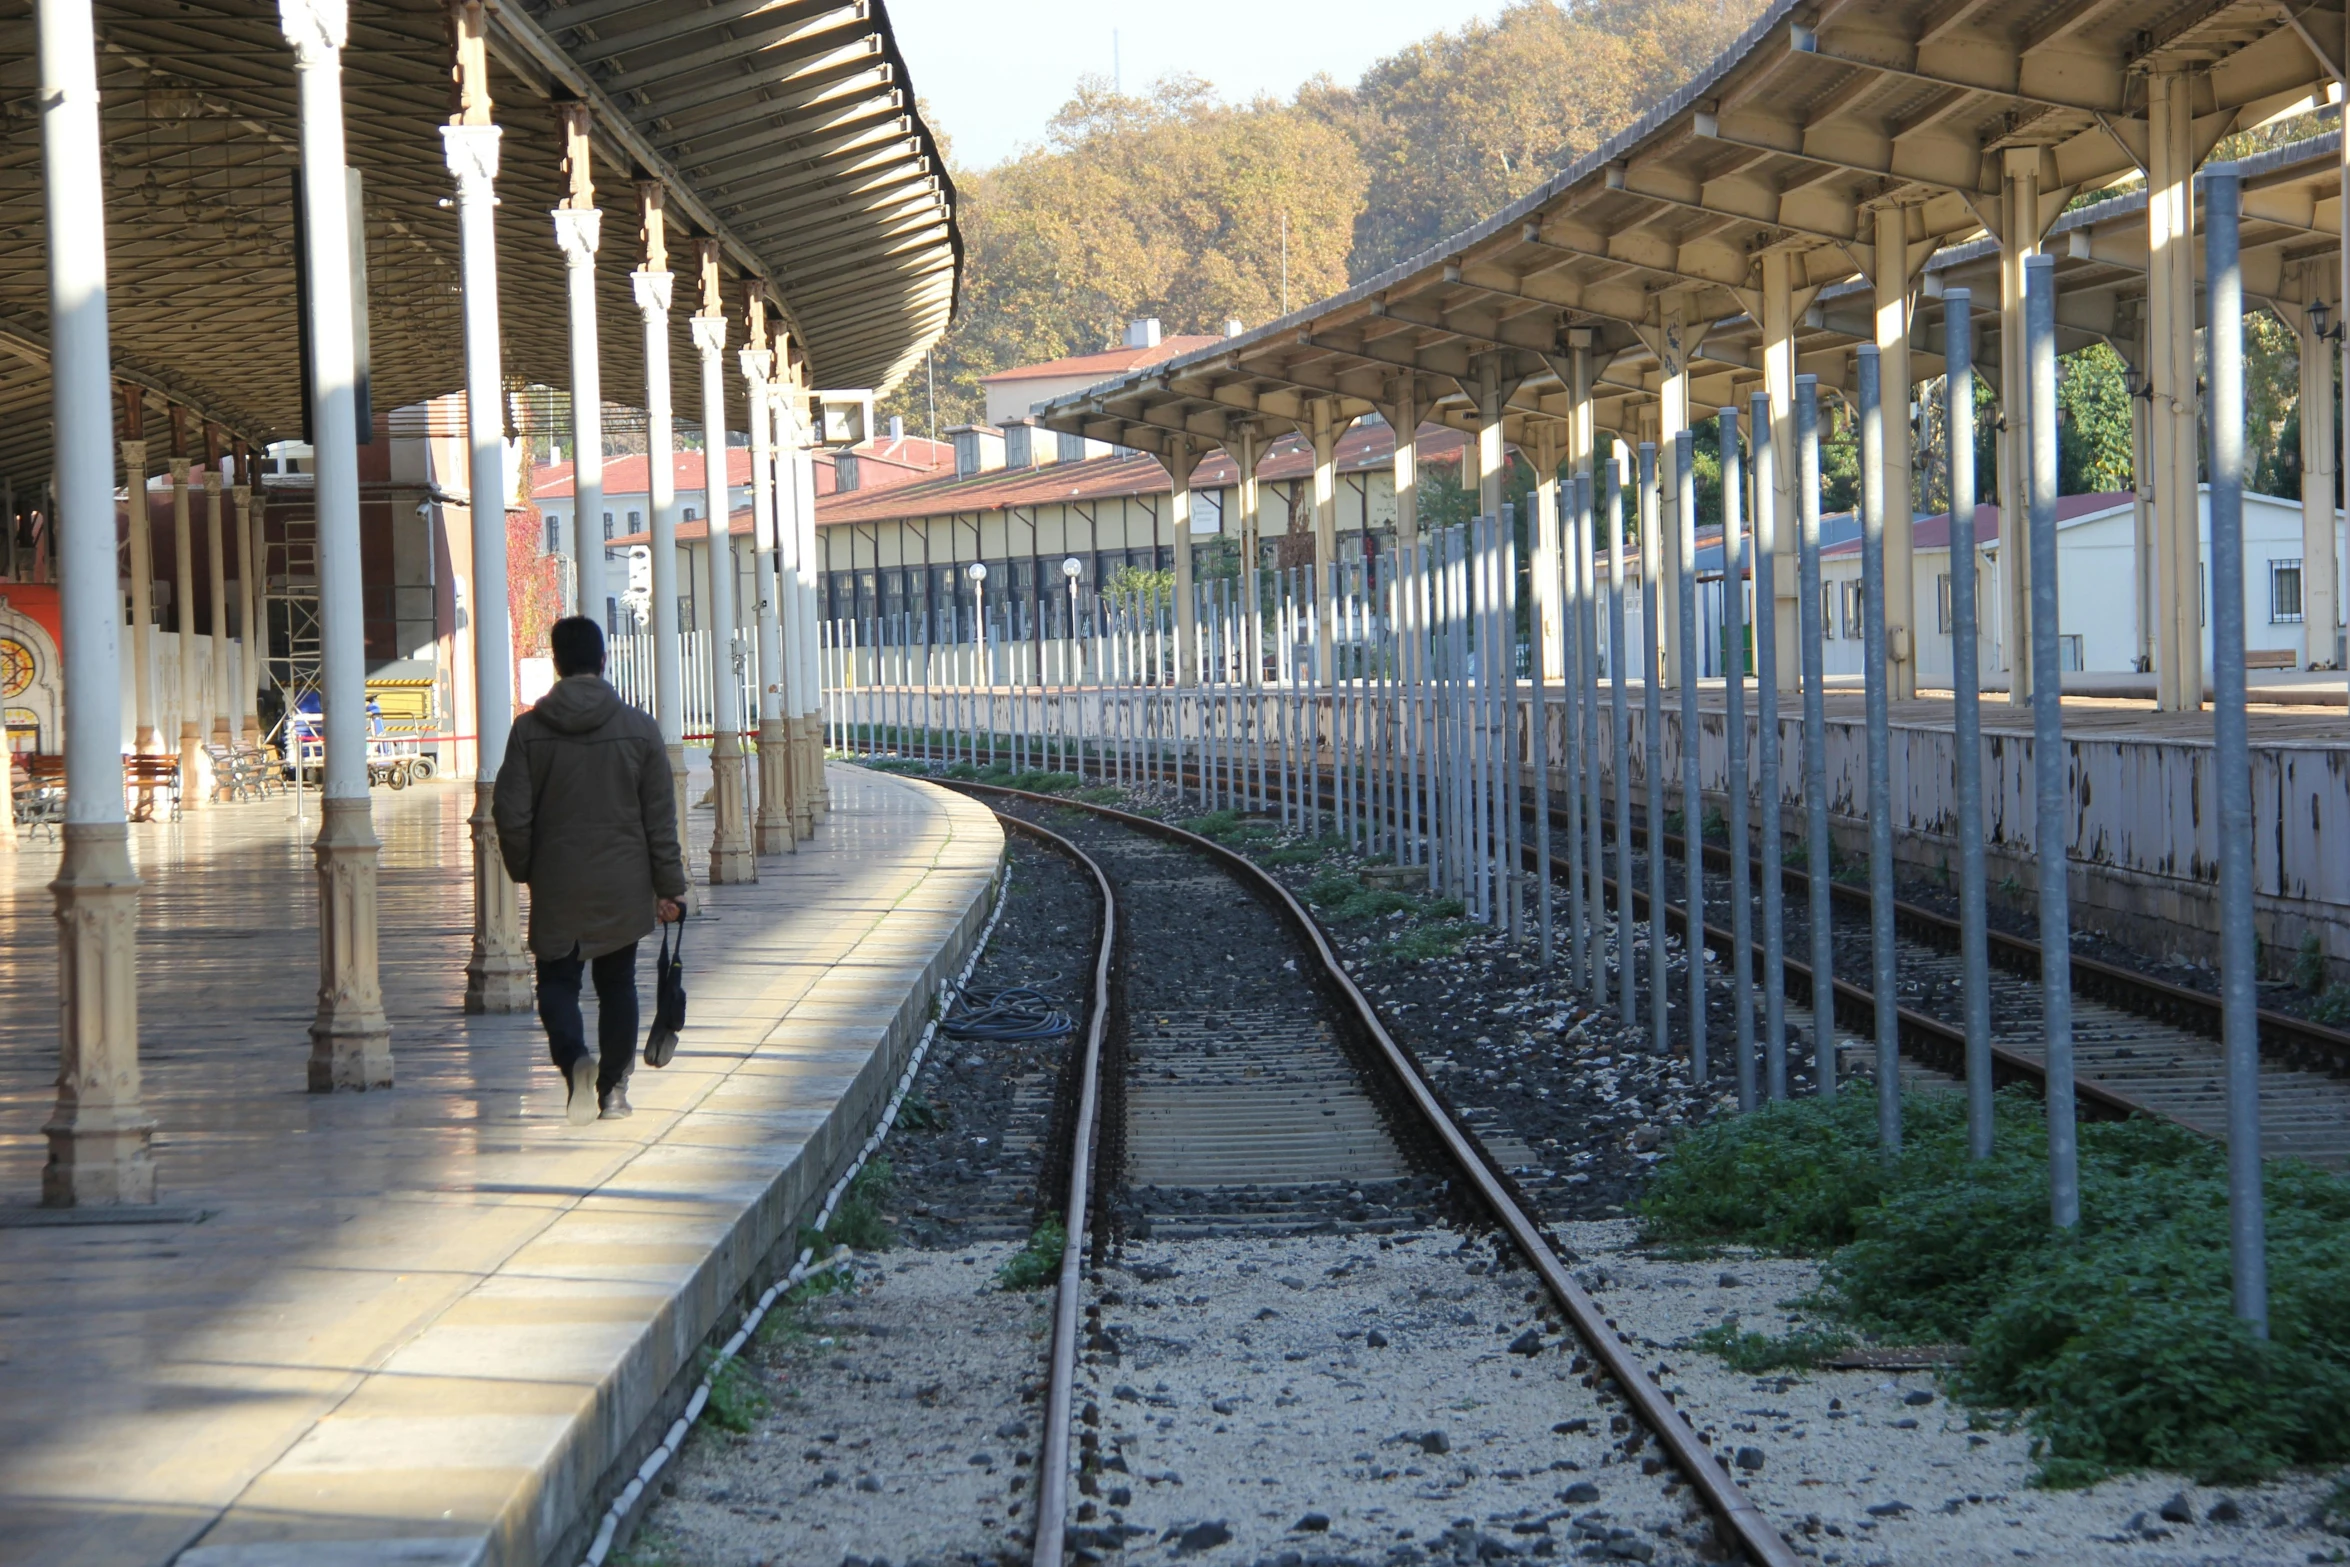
978, 575
1071, 570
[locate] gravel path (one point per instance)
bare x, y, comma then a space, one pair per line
1877, 1466
901, 1427
1350, 1397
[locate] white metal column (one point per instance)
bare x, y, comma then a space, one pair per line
731, 859
350, 1039
98, 1133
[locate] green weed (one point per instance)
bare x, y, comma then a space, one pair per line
2309, 965
2118, 1337
1801, 1349
917, 1114
737, 1401
857, 1220
2332, 1008
1297, 854
1038, 1263
1424, 942
1101, 794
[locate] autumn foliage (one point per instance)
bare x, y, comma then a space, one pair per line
1175, 204
534, 582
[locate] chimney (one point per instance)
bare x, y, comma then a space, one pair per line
1143, 333
1232, 326
844, 472
897, 427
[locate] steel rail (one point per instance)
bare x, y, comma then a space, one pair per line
2298, 1041
1052, 1473
1706, 1471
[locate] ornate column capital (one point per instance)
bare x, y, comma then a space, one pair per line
134, 457
757, 363
652, 291
710, 334
179, 470
579, 231
315, 29
212, 485
472, 153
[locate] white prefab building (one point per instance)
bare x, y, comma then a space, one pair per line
2098, 594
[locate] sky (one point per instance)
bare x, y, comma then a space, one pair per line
993, 75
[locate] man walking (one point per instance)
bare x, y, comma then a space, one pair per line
587, 820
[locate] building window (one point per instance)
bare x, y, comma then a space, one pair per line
844, 472
689, 514
2284, 591
1942, 600
636, 521
554, 534
2068, 652
608, 523
1207, 511
1853, 622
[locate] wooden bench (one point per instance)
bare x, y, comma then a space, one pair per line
146, 775
2271, 658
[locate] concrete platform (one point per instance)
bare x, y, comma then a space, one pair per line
422, 1324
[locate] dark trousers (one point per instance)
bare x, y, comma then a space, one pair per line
615, 974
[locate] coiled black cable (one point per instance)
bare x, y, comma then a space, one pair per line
1015, 1012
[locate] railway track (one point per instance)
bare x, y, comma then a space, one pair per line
2142, 1046
1308, 1113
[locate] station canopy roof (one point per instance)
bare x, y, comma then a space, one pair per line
1824, 112
784, 129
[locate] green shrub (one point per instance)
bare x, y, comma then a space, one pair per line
2117, 1337
1788, 1177
1038, 1263
2332, 1008
1102, 794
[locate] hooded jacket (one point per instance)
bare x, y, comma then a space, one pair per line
587, 819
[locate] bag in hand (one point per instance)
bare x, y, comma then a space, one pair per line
668, 998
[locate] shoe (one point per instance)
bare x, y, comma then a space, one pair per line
581, 1107
614, 1103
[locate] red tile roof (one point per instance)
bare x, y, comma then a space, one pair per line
885, 464
1108, 363
1101, 478
1933, 533
630, 475
738, 523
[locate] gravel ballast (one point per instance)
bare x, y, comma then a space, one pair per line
1881, 1467
902, 1425
1362, 1398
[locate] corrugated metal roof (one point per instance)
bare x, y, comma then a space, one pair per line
1109, 362
796, 127
201, 138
